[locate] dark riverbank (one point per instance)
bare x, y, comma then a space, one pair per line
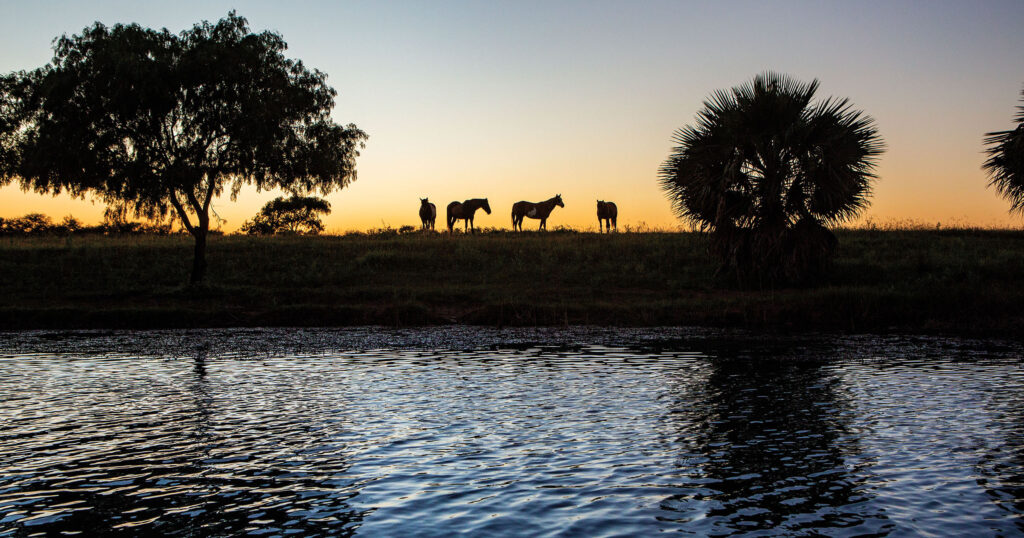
948, 281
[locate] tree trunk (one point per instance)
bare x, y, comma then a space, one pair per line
199, 256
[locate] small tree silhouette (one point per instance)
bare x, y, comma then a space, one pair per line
294, 215
1005, 164
765, 171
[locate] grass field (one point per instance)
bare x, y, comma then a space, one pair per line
931, 281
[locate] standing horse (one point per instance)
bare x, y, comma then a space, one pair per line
427, 213
539, 210
607, 214
465, 211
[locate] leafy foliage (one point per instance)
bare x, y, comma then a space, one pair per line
36, 224
163, 122
766, 171
1005, 164
293, 215
30, 224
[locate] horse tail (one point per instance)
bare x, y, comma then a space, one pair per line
517, 215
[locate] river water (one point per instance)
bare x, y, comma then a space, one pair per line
488, 432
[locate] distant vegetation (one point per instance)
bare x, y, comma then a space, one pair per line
767, 171
292, 215
37, 224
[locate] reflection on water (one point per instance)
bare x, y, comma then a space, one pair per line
773, 439
705, 435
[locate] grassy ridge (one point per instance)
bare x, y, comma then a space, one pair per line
957, 281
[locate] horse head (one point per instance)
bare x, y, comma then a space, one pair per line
486, 206
424, 201
558, 200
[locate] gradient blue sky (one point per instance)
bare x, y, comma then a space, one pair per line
523, 100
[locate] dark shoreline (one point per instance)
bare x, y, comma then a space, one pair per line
947, 282
255, 342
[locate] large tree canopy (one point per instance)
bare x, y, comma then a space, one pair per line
765, 170
1005, 164
167, 122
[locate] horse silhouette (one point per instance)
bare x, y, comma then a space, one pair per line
428, 213
465, 211
539, 210
607, 215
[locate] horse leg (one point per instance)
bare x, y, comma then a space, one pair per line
615, 223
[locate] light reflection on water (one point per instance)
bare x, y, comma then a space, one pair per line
704, 435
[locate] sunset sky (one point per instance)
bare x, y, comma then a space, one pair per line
527, 99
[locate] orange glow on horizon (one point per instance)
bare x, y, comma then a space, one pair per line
364, 206
581, 98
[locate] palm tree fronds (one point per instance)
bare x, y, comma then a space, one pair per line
763, 165
1005, 163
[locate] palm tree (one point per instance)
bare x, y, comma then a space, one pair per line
766, 171
1005, 164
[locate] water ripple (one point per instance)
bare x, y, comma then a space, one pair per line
700, 434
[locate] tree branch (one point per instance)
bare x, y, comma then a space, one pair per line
209, 193
181, 213
196, 206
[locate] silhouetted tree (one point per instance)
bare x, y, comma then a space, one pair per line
295, 215
30, 224
166, 122
39, 224
765, 171
9, 122
70, 225
1005, 164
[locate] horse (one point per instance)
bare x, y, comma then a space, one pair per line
465, 211
608, 213
427, 213
539, 210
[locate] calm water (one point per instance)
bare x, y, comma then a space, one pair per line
597, 433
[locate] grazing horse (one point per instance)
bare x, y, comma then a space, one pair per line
427, 213
465, 211
539, 210
607, 214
